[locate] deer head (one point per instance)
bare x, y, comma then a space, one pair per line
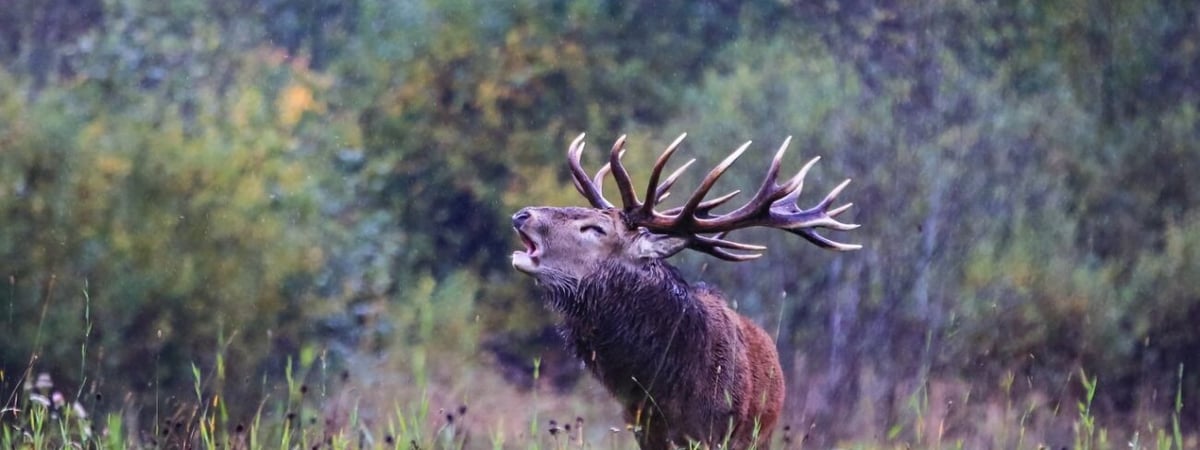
567, 243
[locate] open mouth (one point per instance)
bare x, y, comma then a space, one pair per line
530, 246
529, 258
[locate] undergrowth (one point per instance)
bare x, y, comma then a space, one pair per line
442, 401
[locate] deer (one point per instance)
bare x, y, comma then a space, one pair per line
686, 368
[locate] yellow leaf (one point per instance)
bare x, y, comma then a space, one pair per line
294, 102
111, 165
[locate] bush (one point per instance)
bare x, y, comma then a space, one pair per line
144, 240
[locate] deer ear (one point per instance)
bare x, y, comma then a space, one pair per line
652, 245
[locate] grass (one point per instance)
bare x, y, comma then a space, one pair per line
350, 415
451, 398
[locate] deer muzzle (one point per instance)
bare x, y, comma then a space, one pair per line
525, 260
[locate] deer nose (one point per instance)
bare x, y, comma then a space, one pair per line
520, 217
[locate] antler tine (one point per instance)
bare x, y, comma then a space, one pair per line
629, 198
768, 192
768, 187
689, 208
661, 192
598, 180
652, 188
824, 242
796, 183
586, 187
832, 195
839, 210
706, 206
730, 256
792, 218
716, 245
718, 240
817, 216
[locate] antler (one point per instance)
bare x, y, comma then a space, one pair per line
773, 205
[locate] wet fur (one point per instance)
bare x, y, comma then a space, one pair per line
684, 365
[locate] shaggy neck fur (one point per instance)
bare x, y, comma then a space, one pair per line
643, 330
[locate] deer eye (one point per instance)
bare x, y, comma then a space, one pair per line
593, 228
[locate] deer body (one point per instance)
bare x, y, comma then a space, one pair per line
696, 369
684, 365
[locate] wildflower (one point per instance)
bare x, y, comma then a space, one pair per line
43, 382
78, 410
40, 399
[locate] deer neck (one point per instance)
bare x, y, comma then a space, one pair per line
615, 293
624, 323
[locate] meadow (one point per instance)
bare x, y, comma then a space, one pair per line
443, 394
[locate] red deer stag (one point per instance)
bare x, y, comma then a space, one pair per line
686, 367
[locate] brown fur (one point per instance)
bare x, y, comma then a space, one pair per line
685, 366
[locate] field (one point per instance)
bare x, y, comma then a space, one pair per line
443, 396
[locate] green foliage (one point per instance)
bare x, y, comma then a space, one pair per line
268, 176
177, 231
457, 136
460, 120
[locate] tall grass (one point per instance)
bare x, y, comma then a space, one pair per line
422, 404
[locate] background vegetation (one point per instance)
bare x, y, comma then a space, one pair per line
233, 187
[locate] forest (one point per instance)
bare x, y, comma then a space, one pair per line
273, 223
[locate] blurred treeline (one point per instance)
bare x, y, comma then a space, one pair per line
250, 177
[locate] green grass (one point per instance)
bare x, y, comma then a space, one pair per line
448, 397
348, 416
